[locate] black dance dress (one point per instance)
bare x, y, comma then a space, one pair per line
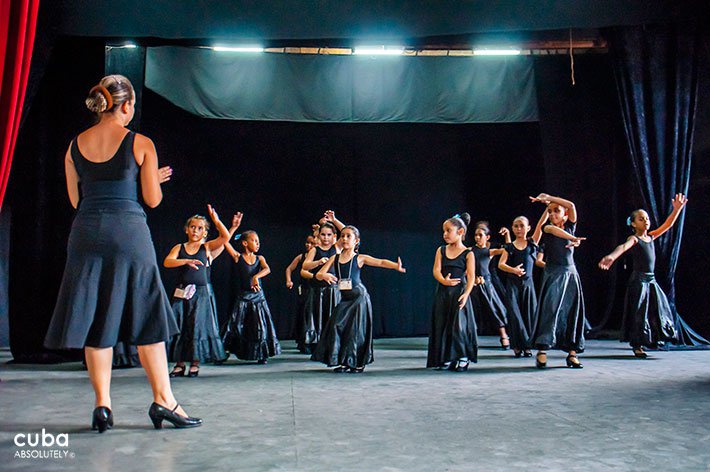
301, 293
453, 329
560, 322
111, 289
648, 320
347, 337
249, 333
199, 338
486, 301
520, 298
321, 299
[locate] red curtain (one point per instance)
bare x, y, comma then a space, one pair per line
18, 22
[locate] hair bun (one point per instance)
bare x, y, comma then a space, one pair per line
466, 218
96, 102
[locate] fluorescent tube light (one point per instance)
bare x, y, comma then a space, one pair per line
238, 48
379, 51
496, 52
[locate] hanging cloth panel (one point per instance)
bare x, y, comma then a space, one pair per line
322, 88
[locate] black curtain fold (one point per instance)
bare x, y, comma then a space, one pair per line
656, 70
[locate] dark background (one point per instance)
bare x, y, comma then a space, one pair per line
396, 182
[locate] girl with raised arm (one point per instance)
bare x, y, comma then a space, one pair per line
560, 321
517, 262
347, 337
249, 333
453, 342
193, 304
485, 298
322, 296
648, 320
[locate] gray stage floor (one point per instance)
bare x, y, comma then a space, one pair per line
618, 413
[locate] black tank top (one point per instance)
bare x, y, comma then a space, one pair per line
187, 274
348, 270
109, 184
320, 253
483, 260
245, 272
556, 253
526, 257
456, 267
644, 256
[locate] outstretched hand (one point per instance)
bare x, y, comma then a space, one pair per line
606, 263
164, 174
237, 219
504, 231
400, 267
542, 198
329, 215
575, 242
212, 212
679, 201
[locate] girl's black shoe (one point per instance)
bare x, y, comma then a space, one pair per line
518, 354
340, 370
178, 371
194, 371
538, 363
158, 413
461, 366
640, 353
505, 343
356, 370
573, 362
102, 419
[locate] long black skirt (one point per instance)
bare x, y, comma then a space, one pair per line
521, 301
199, 338
249, 333
560, 314
648, 320
317, 310
111, 290
453, 329
125, 356
347, 337
487, 303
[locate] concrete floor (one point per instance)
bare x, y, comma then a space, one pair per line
618, 413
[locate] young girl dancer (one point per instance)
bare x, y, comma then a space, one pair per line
453, 342
484, 297
517, 262
648, 320
322, 296
560, 319
195, 313
347, 337
302, 290
249, 332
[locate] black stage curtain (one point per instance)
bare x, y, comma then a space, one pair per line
657, 75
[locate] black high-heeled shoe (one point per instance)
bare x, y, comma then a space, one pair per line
575, 365
504, 346
102, 419
518, 354
461, 366
158, 413
194, 371
538, 363
527, 353
340, 369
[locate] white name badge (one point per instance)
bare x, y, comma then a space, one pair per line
345, 284
185, 293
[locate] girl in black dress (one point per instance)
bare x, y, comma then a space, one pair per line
560, 321
485, 298
648, 320
304, 283
322, 296
193, 303
517, 262
111, 289
249, 333
347, 337
453, 342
